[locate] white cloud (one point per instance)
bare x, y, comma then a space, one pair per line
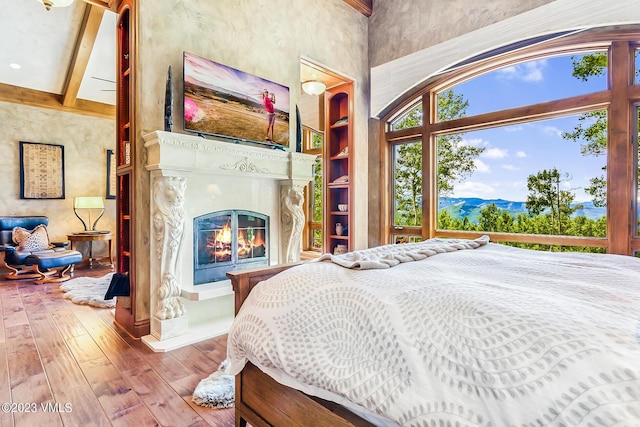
521, 154
509, 167
552, 130
528, 72
514, 128
473, 189
495, 153
481, 166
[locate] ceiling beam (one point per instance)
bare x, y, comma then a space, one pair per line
363, 6
81, 53
36, 98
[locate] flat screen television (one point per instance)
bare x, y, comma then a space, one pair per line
226, 102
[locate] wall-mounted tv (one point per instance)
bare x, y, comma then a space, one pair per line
222, 101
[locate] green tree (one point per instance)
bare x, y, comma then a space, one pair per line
591, 130
410, 120
593, 64
545, 195
408, 184
456, 161
317, 190
488, 218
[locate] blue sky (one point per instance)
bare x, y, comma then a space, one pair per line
513, 153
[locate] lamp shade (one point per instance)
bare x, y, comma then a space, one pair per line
88, 203
55, 3
314, 87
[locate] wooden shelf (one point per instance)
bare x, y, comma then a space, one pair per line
338, 149
127, 316
341, 237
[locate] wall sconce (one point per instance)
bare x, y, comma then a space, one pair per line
314, 87
88, 204
55, 3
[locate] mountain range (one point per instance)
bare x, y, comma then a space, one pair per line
459, 207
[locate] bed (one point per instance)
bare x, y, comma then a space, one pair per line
442, 332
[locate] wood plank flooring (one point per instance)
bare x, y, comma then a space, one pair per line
63, 364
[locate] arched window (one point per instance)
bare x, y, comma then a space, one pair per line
535, 147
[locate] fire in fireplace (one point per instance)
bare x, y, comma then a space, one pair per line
229, 240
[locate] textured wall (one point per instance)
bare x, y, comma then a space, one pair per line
397, 28
85, 140
262, 37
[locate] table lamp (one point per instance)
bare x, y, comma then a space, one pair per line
88, 204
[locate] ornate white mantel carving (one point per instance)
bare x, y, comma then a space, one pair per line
168, 223
178, 162
182, 153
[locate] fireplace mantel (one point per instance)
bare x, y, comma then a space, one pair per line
191, 176
184, 154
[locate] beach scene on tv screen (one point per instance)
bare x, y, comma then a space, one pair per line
221, 100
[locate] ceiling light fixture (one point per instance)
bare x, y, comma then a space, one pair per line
15, 66
55, 3
314, 87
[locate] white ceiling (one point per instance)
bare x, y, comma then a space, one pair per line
43, 42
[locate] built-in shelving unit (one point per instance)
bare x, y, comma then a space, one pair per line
125, 170
338, 168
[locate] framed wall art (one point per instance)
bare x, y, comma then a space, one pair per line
41, 171
111, 175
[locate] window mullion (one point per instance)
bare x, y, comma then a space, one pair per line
620, 152
429, 167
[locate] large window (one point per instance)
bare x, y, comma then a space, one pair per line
535, 150
312, 142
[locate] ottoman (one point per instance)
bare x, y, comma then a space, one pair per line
47, 260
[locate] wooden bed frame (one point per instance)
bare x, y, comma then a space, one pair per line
260, 400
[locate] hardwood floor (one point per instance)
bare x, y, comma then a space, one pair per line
63, 364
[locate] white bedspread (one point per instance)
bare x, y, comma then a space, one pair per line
493, 336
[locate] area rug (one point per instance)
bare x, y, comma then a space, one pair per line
88, 291
215, 391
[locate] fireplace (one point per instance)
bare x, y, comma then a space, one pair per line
206, 184
228, 240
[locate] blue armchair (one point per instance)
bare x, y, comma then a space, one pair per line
29, 254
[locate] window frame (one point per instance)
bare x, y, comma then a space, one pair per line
310, 224
619, 99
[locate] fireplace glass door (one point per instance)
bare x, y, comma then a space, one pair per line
229, 240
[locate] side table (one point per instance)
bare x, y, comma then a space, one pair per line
92, 237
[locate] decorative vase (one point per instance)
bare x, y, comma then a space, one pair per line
298, 131
168, 103
339, 229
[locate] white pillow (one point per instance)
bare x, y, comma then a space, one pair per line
31, 241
